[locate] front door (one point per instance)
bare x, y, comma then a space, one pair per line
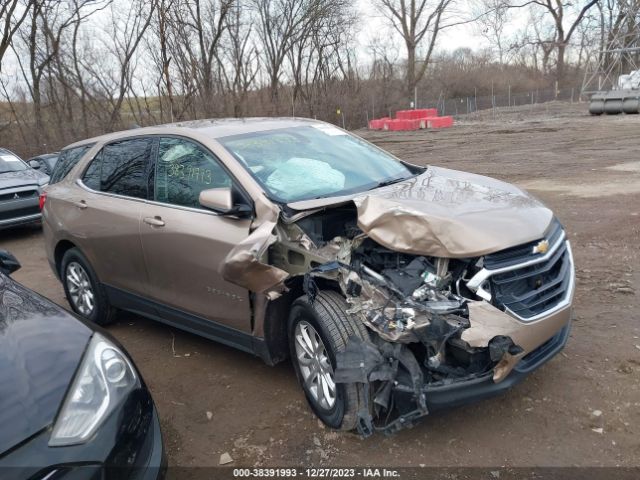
184, 243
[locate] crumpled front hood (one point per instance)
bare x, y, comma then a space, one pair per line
447, 213
21, 178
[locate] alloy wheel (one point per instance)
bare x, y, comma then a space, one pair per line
80, 289
315, 365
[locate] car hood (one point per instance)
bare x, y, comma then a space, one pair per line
22, 178
446, 213
41, 346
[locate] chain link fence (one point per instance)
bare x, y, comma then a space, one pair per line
472, 104
481, 104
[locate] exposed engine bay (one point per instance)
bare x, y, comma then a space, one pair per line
449, 298
416, 308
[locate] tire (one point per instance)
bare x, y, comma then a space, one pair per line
328, 317
75, 268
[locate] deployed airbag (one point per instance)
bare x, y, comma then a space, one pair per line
305, 177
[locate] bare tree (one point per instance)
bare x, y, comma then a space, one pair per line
418, 22
163, 24
150, 61
201, 25
559, 10
129, 29
281, 24
12, 14
319, 56
239, 61
49, 20
492, 18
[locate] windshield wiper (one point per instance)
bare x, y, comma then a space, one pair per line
383, 183
390, 181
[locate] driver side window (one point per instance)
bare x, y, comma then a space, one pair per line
183, 170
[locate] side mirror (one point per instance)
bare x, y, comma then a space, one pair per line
218, 199
35, 164
221, 200
8, 263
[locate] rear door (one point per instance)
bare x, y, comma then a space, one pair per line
185, 243
104, 212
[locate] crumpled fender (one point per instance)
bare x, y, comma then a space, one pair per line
243, 265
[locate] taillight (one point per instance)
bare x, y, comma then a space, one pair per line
42, 199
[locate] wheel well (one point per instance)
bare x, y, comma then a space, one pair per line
277, 316
61, 248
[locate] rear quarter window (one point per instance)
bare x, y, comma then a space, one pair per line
66, 161
121, 168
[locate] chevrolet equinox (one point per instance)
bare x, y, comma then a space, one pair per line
397, 290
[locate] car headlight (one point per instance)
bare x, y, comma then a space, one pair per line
102, 382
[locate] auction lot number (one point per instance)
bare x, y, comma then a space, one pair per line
315, 473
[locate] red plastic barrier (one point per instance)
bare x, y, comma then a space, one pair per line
394, 125
436, 122
413, 124
400, 124
416, 114
377, 123
404, 124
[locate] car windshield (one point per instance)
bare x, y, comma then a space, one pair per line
10, 163
313, 161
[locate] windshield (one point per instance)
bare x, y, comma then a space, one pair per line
10, 163
314, 161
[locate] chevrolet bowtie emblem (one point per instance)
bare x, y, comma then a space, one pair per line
541, 247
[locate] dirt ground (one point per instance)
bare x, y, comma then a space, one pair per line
213, 399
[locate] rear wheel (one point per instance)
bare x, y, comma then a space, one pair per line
317, 332
82, 289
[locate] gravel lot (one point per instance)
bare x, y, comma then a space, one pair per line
213, 399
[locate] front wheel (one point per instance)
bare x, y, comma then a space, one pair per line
316, 333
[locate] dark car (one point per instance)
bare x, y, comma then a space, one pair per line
72, 404
20, 189
44, 163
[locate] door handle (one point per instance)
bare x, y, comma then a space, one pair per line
154, 221
81, 204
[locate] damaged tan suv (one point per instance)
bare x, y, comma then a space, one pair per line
396, 290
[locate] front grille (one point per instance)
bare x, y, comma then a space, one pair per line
522, 253
19, 212
22, 195
535, 288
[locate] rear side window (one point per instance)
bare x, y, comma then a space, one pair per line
66, 161
121, 168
